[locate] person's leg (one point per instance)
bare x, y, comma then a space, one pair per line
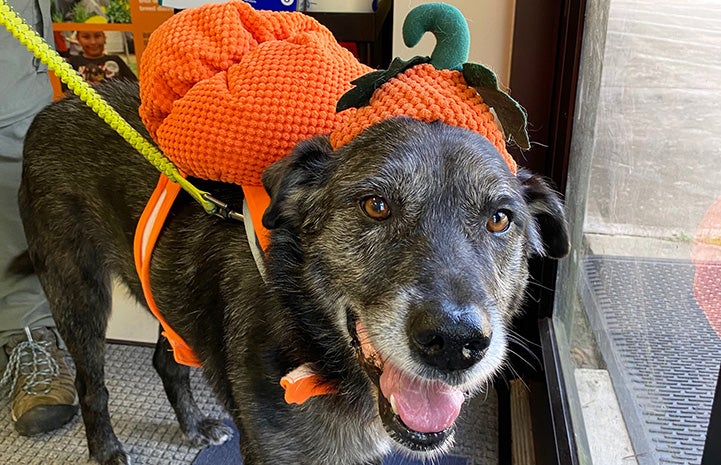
22, 302
37, 377
32, 355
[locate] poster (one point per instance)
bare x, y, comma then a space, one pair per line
104, 39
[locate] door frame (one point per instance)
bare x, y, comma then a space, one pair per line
546, 58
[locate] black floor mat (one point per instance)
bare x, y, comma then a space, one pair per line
661, 352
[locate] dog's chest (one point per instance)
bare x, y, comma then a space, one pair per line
336, 436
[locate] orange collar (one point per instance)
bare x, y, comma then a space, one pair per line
303, 383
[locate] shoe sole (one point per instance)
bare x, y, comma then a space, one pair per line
44, 418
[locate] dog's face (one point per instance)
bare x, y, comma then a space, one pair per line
416, 238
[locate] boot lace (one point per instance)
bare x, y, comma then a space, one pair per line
32, 360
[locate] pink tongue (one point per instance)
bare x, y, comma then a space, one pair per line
424, 406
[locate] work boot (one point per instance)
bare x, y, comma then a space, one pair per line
40, 382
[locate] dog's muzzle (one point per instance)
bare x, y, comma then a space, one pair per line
417, 413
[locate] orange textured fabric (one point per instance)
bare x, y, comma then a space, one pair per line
227, 90
427, 94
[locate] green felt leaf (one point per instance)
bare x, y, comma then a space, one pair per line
512, 116
360, 95
477, 75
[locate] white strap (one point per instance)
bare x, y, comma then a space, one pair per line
253, 241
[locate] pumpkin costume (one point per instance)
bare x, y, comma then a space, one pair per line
227, 90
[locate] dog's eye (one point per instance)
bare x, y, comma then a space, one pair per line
499, 222
376, 207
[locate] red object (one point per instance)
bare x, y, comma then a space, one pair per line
351, 47
60, 44
706, 257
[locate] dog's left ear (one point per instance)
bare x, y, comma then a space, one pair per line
549, 236
291, 181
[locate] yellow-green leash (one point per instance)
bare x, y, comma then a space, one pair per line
42, 51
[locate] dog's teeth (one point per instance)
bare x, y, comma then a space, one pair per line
393, 405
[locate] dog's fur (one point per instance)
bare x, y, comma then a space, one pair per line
432, 271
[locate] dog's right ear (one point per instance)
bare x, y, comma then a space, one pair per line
291, 181
549, 236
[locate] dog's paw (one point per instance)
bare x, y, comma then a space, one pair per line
210, 432
118, 457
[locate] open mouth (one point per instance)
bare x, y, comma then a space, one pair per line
417, 413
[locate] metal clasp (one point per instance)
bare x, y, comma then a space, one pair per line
222, 210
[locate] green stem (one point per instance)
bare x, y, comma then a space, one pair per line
450, 28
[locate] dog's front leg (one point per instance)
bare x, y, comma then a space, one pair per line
201, 431
89, 355
104, 446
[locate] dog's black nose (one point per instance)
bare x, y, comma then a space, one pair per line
448, 337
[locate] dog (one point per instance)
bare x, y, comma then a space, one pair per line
395, 267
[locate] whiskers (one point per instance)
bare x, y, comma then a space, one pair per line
534, 283
524, 353
516, 339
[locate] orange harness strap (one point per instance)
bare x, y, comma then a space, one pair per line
146, 234
301, 383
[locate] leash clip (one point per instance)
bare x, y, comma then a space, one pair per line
222, 209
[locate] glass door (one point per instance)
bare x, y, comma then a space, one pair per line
637, 315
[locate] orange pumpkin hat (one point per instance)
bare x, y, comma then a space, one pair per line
440, 88
427, 94
227, 90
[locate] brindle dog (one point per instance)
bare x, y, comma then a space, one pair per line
395, 267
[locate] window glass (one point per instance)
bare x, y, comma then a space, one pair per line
642, 318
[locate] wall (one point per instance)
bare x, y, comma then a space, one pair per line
491, 26
128, 320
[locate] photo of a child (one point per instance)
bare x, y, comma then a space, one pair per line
93, 63
103, 39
